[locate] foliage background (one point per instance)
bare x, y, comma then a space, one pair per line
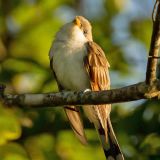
27, 28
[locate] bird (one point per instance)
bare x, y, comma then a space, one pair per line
79, 64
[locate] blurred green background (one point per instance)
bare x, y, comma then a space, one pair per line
27, 28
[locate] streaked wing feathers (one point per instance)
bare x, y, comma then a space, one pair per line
97, 66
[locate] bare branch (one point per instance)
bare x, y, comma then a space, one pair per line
129, 93
150, 89
154, 47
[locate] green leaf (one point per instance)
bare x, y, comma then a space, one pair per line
41, 147
10, 127
70, 148
12, 151
151, 143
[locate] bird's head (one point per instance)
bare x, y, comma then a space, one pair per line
78, 30
84, 25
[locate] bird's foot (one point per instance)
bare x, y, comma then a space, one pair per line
87, 90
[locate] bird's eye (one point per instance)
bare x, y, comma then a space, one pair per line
85, 32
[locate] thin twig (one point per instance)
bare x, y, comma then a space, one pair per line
154, 47
154, 10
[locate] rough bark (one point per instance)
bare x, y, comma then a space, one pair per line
154, 46
126, 94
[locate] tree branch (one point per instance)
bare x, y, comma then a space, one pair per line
154, 47
130, 93
150, 89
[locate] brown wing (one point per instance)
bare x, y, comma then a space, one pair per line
97, 66
73, 115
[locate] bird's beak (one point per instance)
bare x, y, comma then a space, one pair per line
77, 22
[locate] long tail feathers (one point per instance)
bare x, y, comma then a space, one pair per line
112, 152
76, 123
109, 142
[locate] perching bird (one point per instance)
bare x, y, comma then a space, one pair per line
78, 64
